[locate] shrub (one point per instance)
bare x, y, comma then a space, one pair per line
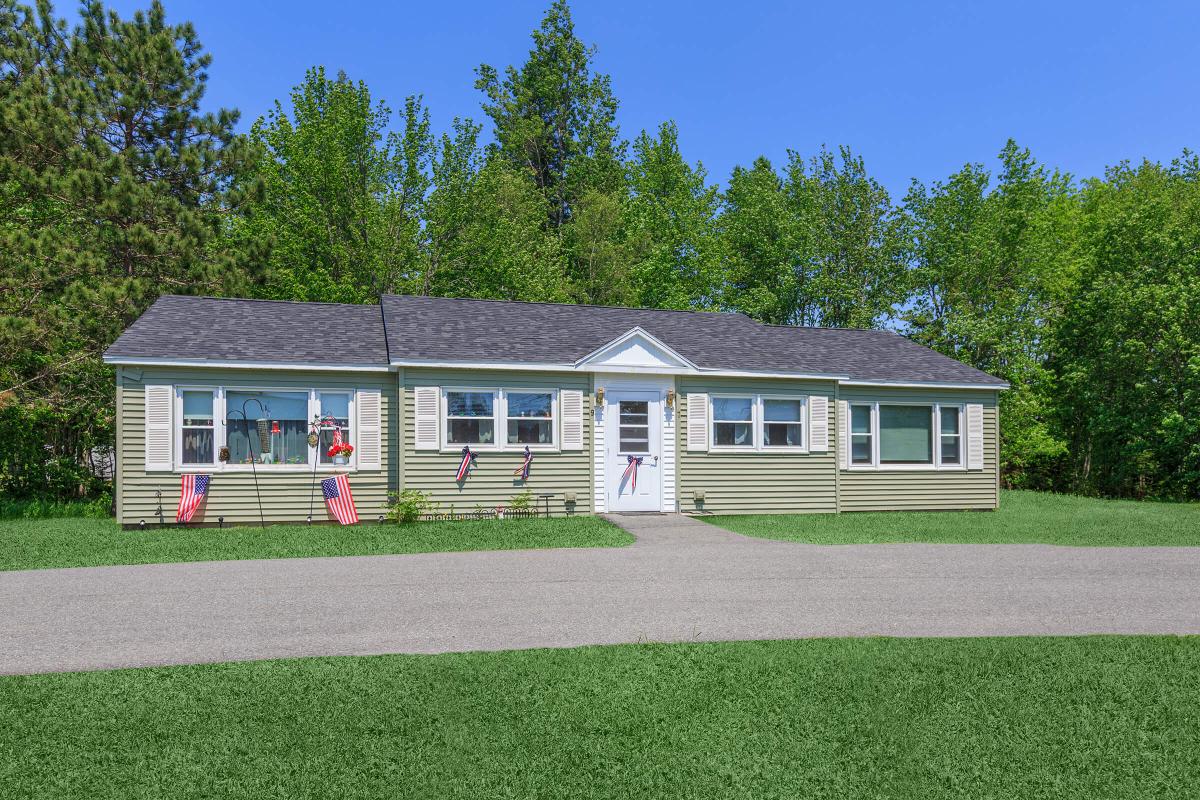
408, 506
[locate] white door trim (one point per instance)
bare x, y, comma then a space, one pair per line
659, 385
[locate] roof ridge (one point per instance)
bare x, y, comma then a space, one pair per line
270, 300
572, 305
831, 328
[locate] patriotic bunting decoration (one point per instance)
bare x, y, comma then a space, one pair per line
522, 471
193, 491
630, 473
465, 466
339, 500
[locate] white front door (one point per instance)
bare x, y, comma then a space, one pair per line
633, 449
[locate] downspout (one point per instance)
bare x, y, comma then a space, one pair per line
837, 448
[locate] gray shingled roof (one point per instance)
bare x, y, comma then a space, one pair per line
435, 329
449, 329
219, 329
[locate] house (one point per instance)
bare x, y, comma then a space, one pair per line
621, 409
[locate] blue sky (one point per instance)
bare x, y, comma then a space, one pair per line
918, 89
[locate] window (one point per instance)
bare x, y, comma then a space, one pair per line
267, 427
951, 434
198, 440
862, 450
905, 435
733, 422
758, 422
335, 405
783, 422
470, 418
634, 426
530, 417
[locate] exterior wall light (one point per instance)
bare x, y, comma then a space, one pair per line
599, 395
670, 398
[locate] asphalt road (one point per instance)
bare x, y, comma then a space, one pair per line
682, 581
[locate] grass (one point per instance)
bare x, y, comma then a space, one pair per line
1087, 717
83, 542
1023, 517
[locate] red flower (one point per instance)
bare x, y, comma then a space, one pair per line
340, 449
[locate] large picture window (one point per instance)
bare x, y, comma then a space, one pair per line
905, 436
267, 427
759, 422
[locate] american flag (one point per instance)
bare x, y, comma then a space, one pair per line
464, 466
339, 500
522, 471
192, 493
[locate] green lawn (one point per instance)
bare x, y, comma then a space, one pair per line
1088, 717
1023, 517
83, 542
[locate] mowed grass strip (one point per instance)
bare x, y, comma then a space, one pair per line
82, 542
1023, 517
1088, 717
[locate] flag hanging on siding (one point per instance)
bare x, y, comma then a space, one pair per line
464, 467
191, 495
522, 471
339, 500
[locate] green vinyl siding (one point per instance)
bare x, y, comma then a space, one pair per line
286, 496
492, 483
754, 482
888, 489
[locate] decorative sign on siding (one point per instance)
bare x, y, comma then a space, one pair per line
572, 419
818, 406
425, 417
159, 400
697, 421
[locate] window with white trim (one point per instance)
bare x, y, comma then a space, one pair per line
334, 411
500, 418
897, 435
197, 423
759, 422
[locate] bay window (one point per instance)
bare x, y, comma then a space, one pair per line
499, 418
759, 422
885, 435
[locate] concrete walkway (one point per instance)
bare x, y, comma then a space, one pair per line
682, 581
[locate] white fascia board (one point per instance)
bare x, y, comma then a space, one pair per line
635, 332
927, 385
123, 361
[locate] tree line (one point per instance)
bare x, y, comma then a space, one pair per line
116, 186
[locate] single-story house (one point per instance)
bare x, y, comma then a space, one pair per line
621, 409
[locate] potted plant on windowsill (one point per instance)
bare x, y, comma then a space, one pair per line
340, 453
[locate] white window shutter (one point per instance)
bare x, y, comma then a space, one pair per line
425, 417
843, 428
159, 402
572, 418
974, 436
818, 415
369, 403
697, 421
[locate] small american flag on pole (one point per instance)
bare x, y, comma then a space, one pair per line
339, 500
522, 471
191, 495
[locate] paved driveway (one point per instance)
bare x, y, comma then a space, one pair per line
682, 581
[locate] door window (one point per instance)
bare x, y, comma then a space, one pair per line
634, 426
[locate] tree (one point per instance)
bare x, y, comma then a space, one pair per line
991, 270
115, 188
555, 118
1128, 347
342, 197
670, 223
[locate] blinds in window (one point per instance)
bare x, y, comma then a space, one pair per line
159, 400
